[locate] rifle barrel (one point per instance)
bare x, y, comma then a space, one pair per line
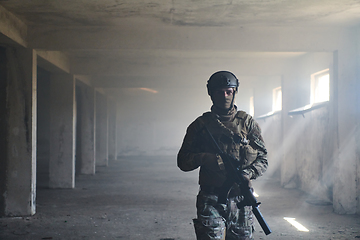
261, 220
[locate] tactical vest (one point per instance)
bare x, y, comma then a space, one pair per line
231, 136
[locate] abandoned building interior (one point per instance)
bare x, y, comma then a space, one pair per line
102, 91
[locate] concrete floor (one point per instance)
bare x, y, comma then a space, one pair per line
150, 198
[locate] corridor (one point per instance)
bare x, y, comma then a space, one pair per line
149, 198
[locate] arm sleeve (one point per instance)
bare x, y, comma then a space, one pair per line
260, 164
190, 156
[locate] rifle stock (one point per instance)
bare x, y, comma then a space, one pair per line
235, 174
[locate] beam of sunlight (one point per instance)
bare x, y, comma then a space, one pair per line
296, 224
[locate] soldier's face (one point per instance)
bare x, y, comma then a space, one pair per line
223, 97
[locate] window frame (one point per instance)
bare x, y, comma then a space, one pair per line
314, 85
313, 105
275, 99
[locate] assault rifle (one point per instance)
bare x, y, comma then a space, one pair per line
234, 173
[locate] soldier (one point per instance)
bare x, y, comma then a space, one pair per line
237, 134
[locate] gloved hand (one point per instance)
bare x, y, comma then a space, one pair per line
247, 179
212, 172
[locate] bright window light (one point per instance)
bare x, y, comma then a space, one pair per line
252, 108
296, 224
320, 83
277, 99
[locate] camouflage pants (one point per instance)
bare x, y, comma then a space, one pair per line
222, 221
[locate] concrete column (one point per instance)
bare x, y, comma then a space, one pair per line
101, 130
345, 191
112, 130
87, 133
17, 131
43, 128
291, 129
62, 131
358, 117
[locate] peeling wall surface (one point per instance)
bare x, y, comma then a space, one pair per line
62, 131
127, 78
18, 191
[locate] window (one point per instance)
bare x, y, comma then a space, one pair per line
319, 93
252, 108
277, 99
320, 83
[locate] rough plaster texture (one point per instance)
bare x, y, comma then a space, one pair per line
290, 133
348, 120
272, 134
62, 131
14, 28
55, 60
313, 164
188, 13
112, 129
20, 183
310, 160
87, 126
101, 135
308, 140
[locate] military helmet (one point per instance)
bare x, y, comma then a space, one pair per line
222, 79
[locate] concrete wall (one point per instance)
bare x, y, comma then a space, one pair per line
348, 117
301, 145
271, 128
312, 154
154, 123
319, 152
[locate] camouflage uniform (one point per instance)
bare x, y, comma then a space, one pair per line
217, 212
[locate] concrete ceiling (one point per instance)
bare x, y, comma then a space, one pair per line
186, 12
130, 42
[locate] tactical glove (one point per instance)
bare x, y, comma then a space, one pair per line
212, 171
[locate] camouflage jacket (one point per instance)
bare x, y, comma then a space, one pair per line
197, 145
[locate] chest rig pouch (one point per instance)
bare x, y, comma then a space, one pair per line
231, 137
